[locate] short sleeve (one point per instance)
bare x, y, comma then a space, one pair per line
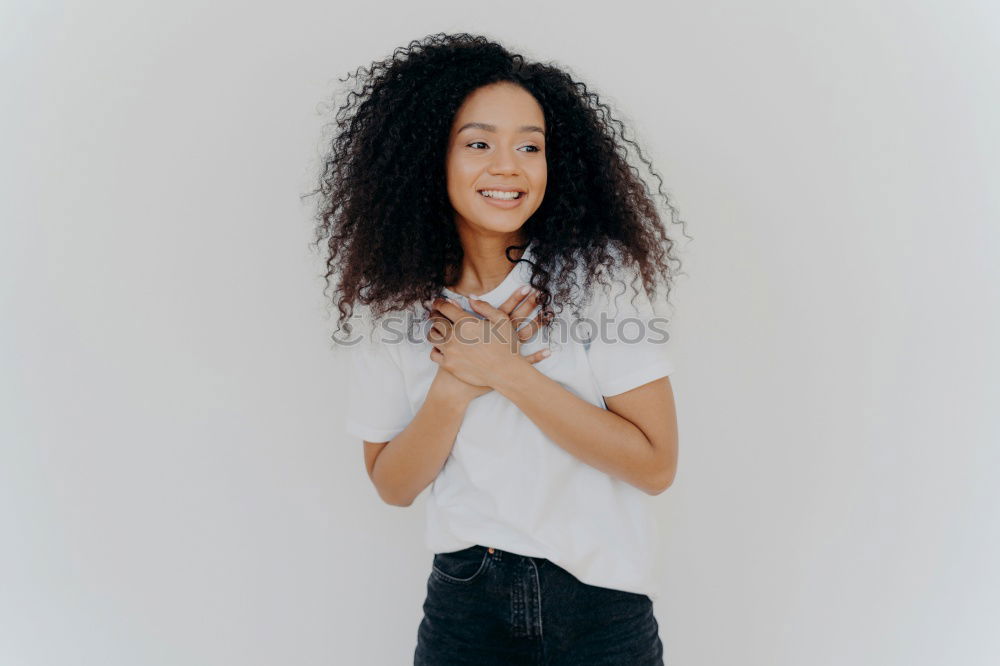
633, 348
378, 408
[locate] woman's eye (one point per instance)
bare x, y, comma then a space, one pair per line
536, 149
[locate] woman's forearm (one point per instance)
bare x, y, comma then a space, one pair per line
413, 458
598, 437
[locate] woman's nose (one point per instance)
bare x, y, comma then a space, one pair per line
503, 163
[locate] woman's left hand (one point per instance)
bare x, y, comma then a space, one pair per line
478, 350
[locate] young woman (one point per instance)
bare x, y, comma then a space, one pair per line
477, 194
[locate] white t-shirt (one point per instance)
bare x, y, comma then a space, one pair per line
505, 483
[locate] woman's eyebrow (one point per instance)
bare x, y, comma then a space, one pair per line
493, 128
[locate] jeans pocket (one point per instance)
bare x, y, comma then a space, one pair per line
461, 567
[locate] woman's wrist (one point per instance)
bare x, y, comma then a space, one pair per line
446, 391
510, 374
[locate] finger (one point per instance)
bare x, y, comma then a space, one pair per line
511, 303
525, 332
436, 355
522, 315
440, 324
487, 310
450, 309
525, 306
443, 330
535, 323
539, 355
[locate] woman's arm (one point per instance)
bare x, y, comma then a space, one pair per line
404, 466
638, 444
635, 439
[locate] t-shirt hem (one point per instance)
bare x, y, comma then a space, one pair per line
369, 434
637, 378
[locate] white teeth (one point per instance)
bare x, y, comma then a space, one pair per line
497, 194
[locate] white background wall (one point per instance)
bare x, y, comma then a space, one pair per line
175, 487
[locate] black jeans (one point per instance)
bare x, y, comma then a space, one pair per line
487, 606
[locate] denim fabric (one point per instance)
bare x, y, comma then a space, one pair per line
499, 607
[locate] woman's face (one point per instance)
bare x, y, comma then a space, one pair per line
497, 142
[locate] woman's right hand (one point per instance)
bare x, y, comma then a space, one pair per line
517, 308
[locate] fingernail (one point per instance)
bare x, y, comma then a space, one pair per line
452, 301
473, 296
525, 289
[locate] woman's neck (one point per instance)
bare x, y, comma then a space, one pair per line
485, 265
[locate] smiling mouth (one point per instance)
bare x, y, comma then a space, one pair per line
520, 195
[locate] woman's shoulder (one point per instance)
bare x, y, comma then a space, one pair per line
609, 285
386, 334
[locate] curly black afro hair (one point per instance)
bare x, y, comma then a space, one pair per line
389, 227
